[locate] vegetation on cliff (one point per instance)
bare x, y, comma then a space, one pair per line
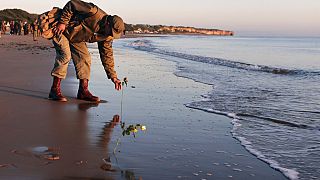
162, 29
16, 14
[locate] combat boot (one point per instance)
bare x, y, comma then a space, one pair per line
55, 92
84, 93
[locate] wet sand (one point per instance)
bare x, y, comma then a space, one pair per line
179, 143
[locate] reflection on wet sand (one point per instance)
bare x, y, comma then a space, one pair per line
105, 139
62, 145
129, 175
103, 143
107, 130
86, 106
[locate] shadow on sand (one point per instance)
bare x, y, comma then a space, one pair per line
24, 92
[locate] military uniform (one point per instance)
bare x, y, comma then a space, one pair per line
85, 23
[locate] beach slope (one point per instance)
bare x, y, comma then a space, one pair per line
42, 139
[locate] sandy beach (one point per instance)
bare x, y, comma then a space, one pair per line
42, 139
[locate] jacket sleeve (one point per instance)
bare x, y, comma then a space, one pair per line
79, 8
106, 56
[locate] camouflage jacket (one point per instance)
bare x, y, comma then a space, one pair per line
85, 22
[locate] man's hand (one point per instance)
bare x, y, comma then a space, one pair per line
59, 29
117, 84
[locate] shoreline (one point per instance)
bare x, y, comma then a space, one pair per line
180, 143
289, 173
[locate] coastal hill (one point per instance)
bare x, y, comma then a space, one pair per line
16, 14
21, 15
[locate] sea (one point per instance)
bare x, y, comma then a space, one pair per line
268, 86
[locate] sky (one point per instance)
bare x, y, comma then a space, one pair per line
244, 17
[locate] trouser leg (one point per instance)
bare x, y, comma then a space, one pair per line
63, 57
82, 62
81, 59
59, 71
34, 36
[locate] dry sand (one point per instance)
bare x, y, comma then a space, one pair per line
179, 143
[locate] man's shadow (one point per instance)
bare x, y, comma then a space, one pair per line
44, 95
23, 92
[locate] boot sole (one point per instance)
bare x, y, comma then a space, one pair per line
59, 100
83, 99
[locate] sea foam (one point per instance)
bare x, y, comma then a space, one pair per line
290, 173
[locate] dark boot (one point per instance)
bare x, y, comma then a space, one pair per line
55, 92
84, 93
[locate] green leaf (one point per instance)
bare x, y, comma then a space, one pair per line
122, 125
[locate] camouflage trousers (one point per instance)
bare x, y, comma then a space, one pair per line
65, 51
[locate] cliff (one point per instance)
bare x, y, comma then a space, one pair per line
161, 29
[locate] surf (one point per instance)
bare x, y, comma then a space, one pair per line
147, 45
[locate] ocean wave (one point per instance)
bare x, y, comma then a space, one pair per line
146, 45
313, 112
242, 116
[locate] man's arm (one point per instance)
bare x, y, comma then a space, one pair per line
78, 7
106, 56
